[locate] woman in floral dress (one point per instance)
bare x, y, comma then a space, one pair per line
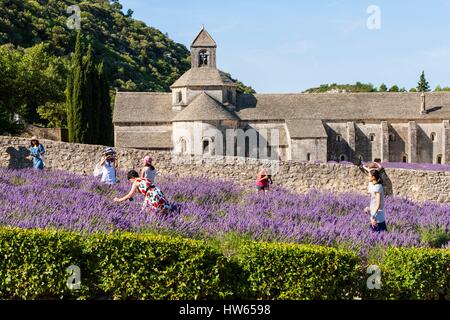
154, 201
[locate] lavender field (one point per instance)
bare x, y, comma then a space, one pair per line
206, 209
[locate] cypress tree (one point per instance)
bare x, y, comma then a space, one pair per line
88, 103
105, 111
74, 94
90, 115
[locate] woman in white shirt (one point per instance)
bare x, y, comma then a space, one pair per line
148, 171
107, 168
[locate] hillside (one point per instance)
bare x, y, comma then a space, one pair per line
138, 57
342, 88
35, 48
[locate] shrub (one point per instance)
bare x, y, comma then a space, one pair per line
130, 266
411, 274
435, 237
33, 264
291, 271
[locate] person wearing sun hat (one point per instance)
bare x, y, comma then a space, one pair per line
148, 171
107, 168
37, 151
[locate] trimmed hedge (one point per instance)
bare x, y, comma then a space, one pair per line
416, 274
33, 263
300, 272
130, 266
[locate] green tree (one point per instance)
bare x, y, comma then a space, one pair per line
383, 88
105, 111
394, 88
74, 93
423, 85
90, 101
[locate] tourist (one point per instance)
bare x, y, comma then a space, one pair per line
376, 209
154, 201
148, 171
37, 151
107, 168
263, 181
373, 166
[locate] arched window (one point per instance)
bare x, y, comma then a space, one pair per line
405, 158
206, 147
269, 150
229, 96
372, 137
183, 144
433, 137
361, 158
247, 147
343, 157
339, 138
203, 58
179, 96
439, 159
308, 157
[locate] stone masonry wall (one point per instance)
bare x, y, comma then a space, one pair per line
296, 176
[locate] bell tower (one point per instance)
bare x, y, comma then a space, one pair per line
203, 50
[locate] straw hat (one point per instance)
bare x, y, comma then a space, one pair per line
34, 138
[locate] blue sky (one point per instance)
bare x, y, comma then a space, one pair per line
289, 46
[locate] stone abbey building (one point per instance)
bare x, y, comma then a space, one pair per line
393, 127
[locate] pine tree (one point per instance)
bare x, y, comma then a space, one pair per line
423, 85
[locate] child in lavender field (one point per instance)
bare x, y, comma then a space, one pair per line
376, 209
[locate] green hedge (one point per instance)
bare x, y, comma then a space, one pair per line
416, 274
33, 263
129, 266
299, 272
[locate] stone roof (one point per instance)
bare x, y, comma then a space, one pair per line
203, 39
143, 107
304, 129
144, 140
204, 108
204, 76
157, 107
344, 106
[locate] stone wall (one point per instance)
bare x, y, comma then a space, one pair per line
56, 134
299, 177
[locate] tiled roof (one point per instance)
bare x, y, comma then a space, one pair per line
204, 108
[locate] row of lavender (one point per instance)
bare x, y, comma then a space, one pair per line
209, 209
